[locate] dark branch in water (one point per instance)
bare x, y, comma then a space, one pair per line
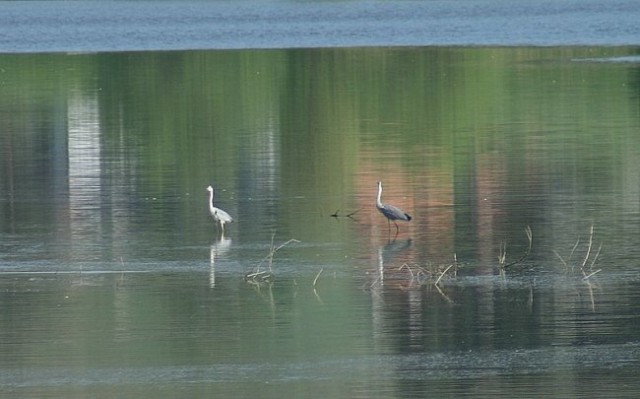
337, 214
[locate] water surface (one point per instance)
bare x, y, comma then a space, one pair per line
115, 282
90, 26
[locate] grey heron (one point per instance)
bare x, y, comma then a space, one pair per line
391, 212
221, 217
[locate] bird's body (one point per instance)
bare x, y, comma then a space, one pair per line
389, 211
221, 217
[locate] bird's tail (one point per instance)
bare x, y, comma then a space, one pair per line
408, 216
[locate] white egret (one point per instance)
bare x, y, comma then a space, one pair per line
221, 217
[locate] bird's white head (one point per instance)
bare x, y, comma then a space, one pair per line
210, 189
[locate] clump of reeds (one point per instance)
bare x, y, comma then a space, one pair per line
422, 275
588, 261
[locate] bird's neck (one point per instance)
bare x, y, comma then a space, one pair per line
379, 200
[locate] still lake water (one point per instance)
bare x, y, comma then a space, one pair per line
115, 282
92, 26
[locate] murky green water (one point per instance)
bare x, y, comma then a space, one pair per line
115, 282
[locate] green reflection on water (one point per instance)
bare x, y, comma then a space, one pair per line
105, 158
476, 143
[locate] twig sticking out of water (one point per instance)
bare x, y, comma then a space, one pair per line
406, 266
561, 259
443, 294
586, 258
443, 273
418, 274
503, 251
595, 257
272, 251
502, 256
337, 214
258, 275
573, 250
315, 280
586, 277
455, 262
454, 265
315, 292
373, 284
587, 272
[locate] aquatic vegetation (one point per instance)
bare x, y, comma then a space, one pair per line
587, 271
437, 275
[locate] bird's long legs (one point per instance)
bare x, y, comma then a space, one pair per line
389, 230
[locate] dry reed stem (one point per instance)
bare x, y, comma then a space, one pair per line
266, 275
272, 253
315, 280
443, 294
502, 256
561, 260
455, 263
584, 262
315, 293
573, 250
443, 273
589, 254
586, 277
595, 257
375, 282
408, 268
529, 234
